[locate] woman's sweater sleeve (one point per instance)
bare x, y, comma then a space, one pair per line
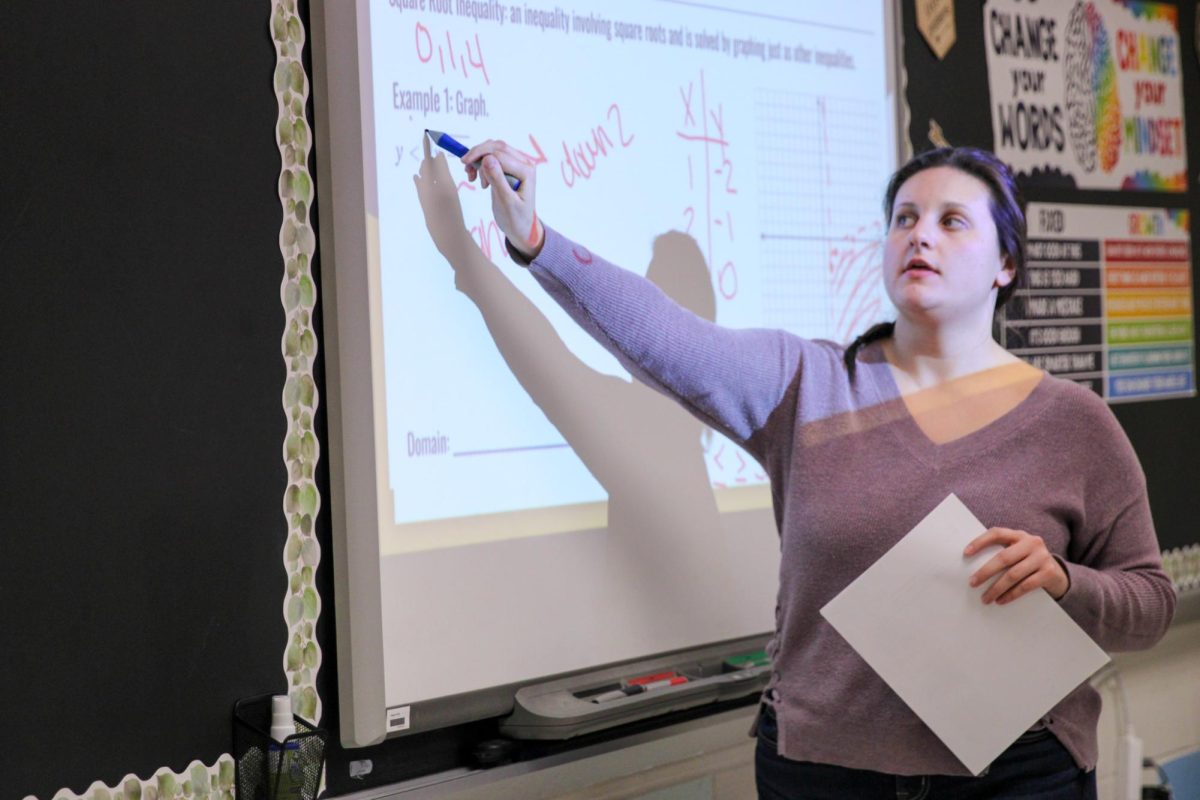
730, 379
1119, 592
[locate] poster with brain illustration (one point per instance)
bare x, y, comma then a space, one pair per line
1088, 92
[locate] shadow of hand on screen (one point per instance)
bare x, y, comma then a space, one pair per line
664, 530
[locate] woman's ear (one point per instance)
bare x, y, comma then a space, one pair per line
1007, 273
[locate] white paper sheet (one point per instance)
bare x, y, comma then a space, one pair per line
979, 676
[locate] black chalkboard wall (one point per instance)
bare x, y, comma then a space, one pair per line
141, 479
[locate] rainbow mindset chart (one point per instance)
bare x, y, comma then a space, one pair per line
1108, 300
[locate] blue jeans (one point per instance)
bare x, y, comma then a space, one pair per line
1036, 767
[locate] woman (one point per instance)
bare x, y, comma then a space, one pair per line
861, 443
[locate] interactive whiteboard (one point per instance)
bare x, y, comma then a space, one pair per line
507, 504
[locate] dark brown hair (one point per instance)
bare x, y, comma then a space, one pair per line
1008, 213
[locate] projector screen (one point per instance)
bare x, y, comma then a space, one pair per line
508, 505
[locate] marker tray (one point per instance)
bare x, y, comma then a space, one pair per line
564, 708
259, 759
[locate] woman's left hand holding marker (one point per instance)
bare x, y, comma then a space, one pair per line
514, 211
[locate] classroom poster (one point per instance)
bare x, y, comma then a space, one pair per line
1090, 92
1107, 300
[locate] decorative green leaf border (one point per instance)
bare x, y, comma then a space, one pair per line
214, 783
298, 292
301, 449
1182, 564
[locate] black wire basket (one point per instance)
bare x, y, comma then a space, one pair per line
270, 770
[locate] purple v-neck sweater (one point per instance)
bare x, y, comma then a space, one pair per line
851, 473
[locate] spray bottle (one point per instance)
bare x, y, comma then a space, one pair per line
284, 769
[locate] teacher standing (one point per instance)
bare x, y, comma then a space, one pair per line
862, 441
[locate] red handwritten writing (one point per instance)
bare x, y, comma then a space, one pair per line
616, 109
484, 233
727, 281
854, 267
579, 162
726, 168
688, 119
426, 49
533, 160
704, 127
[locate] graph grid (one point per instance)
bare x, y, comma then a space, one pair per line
822, 168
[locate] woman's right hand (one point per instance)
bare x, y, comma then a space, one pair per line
514, 210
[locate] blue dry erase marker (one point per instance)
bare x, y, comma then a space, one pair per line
447, 142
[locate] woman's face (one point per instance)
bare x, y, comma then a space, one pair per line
942, 259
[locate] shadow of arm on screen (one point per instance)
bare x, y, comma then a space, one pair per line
643, 447
575, 398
